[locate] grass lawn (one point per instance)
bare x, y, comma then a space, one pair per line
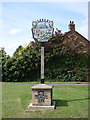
71, 102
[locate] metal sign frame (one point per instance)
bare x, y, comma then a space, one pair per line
42, 30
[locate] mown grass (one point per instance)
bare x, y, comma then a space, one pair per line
0, 101
71, 102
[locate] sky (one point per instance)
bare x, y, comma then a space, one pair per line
16, 20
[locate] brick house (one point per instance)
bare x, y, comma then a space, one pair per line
76, 38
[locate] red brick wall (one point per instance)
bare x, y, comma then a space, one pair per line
80, 41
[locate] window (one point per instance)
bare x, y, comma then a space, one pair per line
73, 37
82, 44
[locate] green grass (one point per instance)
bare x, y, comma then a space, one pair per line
71, 102
0, 101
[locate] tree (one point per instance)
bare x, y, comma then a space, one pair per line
4, 58
62, 62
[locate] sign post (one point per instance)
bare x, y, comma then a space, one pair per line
42, 30
42, 63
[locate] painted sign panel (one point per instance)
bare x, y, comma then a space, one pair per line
42, 30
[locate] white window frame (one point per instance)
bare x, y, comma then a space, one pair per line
82, 43
73, 35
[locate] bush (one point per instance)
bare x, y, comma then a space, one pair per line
61, 62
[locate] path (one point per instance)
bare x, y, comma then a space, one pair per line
48, 83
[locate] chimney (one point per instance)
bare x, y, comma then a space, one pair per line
71, 26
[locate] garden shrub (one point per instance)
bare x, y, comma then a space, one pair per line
61, 63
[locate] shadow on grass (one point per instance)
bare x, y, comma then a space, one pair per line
61, 103
65, 102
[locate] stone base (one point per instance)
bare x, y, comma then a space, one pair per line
42, 95
32, 108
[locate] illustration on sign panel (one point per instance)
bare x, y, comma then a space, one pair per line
42, 30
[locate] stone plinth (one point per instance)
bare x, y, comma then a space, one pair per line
42, 97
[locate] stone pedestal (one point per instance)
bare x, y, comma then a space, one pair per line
41, 97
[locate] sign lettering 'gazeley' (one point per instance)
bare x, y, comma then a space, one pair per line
42, 30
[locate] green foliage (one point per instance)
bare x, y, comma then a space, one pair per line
68, 69
62, 63
4, 58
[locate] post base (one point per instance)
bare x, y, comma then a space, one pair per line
42, 81
33, 108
